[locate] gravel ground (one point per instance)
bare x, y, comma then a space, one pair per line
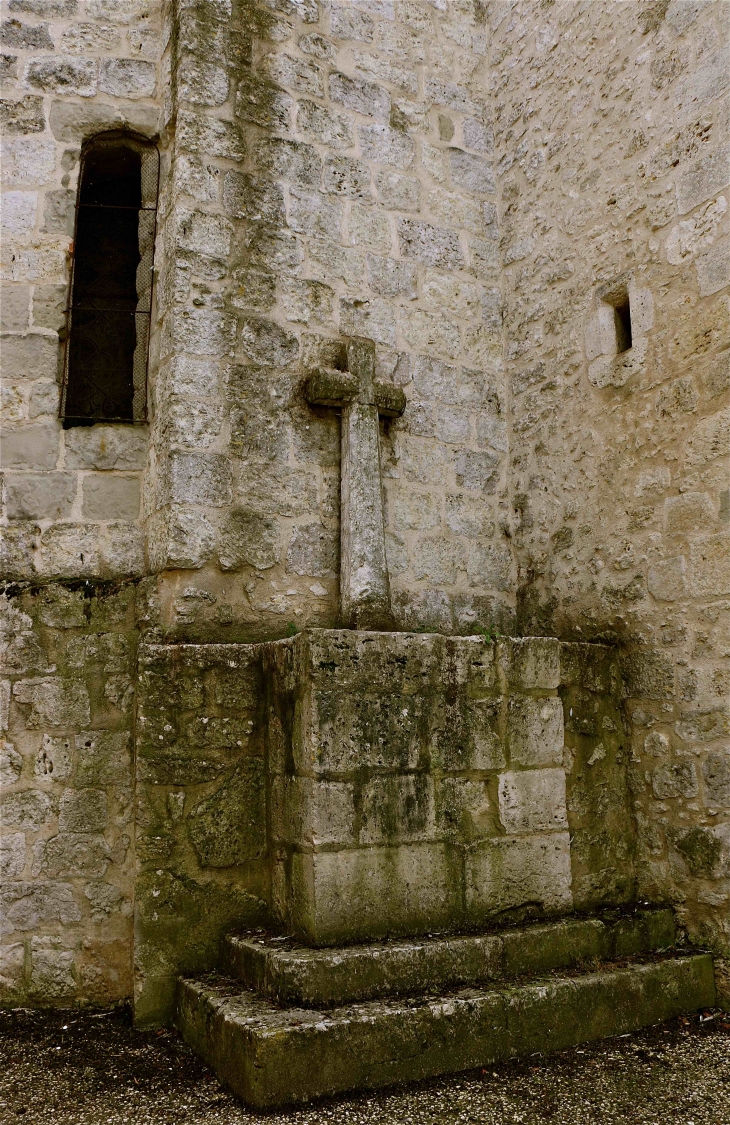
93, 1068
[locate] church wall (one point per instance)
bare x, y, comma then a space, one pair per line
331, 176
71, 498
66, 792
611, 143
70, 512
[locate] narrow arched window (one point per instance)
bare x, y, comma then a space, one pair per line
110, 294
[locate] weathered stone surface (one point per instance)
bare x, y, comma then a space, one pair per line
228, 827
532, 800
41, 495
292, 974
105, 447
23, 116
54, 701
292, 1047
74, 855
28, 905
535, 729
12, 855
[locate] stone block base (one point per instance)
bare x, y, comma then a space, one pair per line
272, 1056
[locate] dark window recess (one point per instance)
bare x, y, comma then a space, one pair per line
108, 317
622, 320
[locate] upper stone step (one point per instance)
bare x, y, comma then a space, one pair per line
289, 973
272, 1056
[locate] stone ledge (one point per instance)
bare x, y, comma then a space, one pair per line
274, 1057
289, 974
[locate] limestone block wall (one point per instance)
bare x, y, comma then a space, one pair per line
426, 783
202, 865
70, 69
331, 175
66, 793
613, 170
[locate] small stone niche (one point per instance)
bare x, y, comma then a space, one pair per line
616, 332
622, 324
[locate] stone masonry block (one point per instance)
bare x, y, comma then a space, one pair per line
55, 702
15, 309
199, 478
344, 176
70, 550
29, 809
532, 801
472, 172
535, 731
28, 161
363, 97
12, 855
12, 967
313, 814
397, 193
324, 125
40, 495
531, 662
52, 970
350, 23
75, 855
83, 810
128, 78
465, 811
106, 447
291, 160
432, 245
398, 809
710, 566
380, 144
26, 906
704, 179
62, 74
370, 892
22, 116
17, 549
527, 874
30, 357
470, 738
110, 497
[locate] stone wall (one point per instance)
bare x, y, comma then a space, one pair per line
477, 187
201, 844
66, 793
613, 166
71, 498
331, 175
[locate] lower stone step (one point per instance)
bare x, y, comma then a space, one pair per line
273, 1057
289, 973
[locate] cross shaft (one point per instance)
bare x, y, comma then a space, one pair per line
364, 582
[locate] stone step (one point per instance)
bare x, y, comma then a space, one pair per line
290, 973
272, 1056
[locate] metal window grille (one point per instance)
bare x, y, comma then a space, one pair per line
110, 291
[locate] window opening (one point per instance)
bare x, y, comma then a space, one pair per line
622, 321
110, 292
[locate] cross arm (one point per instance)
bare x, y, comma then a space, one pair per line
389, 399
325, 386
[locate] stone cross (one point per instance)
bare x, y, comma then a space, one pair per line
364, 583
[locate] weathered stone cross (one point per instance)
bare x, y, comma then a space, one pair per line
364, 583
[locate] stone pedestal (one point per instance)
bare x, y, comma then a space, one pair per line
343, 786
418, 783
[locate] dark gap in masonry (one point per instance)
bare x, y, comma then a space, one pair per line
103, 328
622, 320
